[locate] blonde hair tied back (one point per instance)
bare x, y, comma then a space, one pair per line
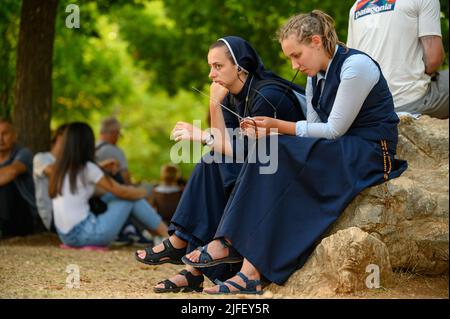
305, 25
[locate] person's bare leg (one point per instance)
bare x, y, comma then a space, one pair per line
215, 248
248, 270
176, 242
162, 230
181, 280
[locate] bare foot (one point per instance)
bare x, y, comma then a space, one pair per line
181, 280
215, 249
174, 240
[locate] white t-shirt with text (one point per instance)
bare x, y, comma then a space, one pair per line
390, 31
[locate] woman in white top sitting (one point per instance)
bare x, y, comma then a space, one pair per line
73, 182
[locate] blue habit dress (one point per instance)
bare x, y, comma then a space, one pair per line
275, 220
207, 192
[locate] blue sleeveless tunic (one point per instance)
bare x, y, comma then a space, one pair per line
275, 220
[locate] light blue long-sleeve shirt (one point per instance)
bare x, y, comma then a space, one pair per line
359, 74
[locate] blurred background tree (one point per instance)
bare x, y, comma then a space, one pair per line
139, 59
9, 33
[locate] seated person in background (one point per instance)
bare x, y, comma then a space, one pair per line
42, 167
166, 195
107, 148
73, 181
404, 37
107, 151
18, 213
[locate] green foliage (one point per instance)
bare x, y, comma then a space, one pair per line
153, 40
146, 130
139, 59
9, 30
88, 73
176, 51
96, 76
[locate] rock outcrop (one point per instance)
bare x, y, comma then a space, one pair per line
344, 262
410, 214
402, 224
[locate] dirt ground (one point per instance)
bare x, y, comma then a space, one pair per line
35, 267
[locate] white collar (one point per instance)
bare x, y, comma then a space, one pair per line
319, 75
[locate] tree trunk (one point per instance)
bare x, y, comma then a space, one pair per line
4, 76
33, 86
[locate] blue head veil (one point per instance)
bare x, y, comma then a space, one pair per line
246, 57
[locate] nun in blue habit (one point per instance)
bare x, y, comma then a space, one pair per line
346, 144
236, 69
